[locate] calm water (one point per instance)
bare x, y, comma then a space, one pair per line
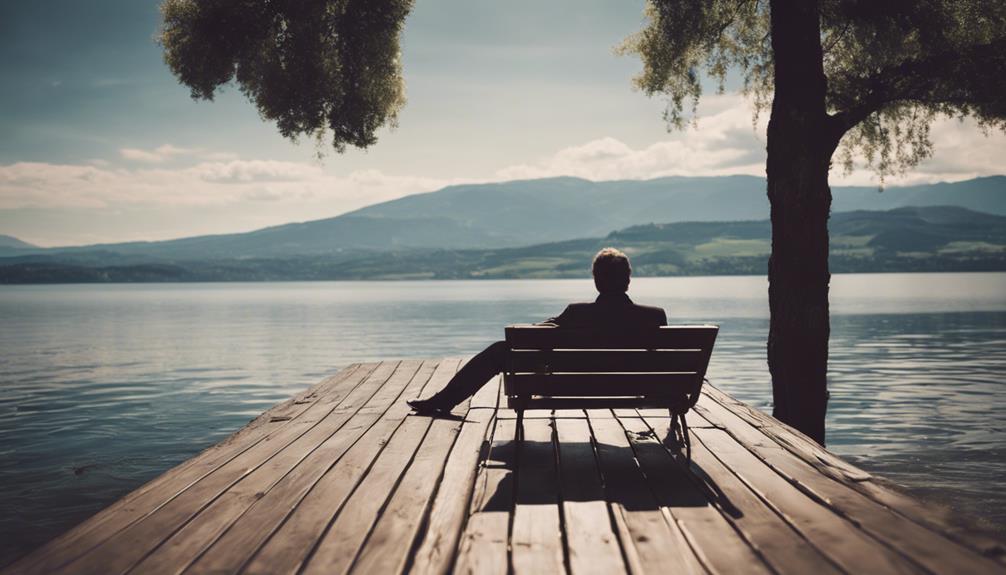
104, 387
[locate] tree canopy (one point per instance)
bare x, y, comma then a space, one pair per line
891, 67
845, 76
314, 67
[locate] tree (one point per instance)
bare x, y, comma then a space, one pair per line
843, 76
315, 67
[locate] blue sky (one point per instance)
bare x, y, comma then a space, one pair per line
100, 143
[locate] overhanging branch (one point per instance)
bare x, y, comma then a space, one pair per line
973, 76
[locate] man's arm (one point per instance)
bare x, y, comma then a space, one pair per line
557, 320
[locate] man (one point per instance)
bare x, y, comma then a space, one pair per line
611, 310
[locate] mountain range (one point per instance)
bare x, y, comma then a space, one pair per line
12, 243
932, 238
523, 213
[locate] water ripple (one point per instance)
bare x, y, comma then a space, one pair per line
104, 387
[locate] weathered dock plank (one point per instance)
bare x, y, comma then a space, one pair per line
344, 479
592, 542
648, 535
485, 543
263, 495
288, 545
235, 547
536, 536
713, 537
454, 491
164, 488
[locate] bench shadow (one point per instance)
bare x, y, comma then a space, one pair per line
698, 475
646, 477
441, 415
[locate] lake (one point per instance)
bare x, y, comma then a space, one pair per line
103, 387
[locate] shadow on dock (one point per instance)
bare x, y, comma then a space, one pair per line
343, 479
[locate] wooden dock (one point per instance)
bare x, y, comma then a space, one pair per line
343, 479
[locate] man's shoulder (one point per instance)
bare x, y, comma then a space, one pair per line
583, 306
654, 313
650, 308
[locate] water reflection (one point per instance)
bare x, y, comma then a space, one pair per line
105, 387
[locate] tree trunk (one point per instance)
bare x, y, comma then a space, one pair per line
799, 153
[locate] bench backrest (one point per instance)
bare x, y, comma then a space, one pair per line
565, 362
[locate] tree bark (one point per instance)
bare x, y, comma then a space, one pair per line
800, 145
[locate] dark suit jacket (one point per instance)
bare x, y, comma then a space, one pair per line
610, 310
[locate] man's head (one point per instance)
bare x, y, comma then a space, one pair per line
611, 271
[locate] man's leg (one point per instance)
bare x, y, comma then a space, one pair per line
469, 379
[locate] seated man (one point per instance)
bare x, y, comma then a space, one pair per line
613, 309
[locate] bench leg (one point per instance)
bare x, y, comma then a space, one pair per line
679, 429
688, 439
520, 425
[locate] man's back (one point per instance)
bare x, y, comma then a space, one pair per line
612, 311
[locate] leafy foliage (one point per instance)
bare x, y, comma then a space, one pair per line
685, 37
311, 66
892, 66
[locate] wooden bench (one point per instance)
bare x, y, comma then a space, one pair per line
550, 367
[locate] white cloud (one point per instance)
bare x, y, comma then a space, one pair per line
219, 156
157, 155
960, 152
249, 171
61, 186
166, 152
256, 193
723, 142
726, 141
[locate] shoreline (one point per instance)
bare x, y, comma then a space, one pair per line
402, 278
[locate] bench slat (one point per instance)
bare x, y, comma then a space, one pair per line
594, 402
667, 337
602, 384
534, 361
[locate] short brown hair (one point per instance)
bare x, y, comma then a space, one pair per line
611, 271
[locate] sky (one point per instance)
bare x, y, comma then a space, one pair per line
101, 144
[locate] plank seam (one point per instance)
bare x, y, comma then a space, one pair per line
946, 531
632, 566
398, 482
483, 458
143, 490
673, 526
370, 465
424, 523
387, 499
713, 500
809, 492
297, 503
250, 471
518, 447
770, 505
669, 518
560, 500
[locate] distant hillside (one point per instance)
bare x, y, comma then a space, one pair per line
986, 194
940, 238
322, 237
521, 213
532, 211
10, 242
